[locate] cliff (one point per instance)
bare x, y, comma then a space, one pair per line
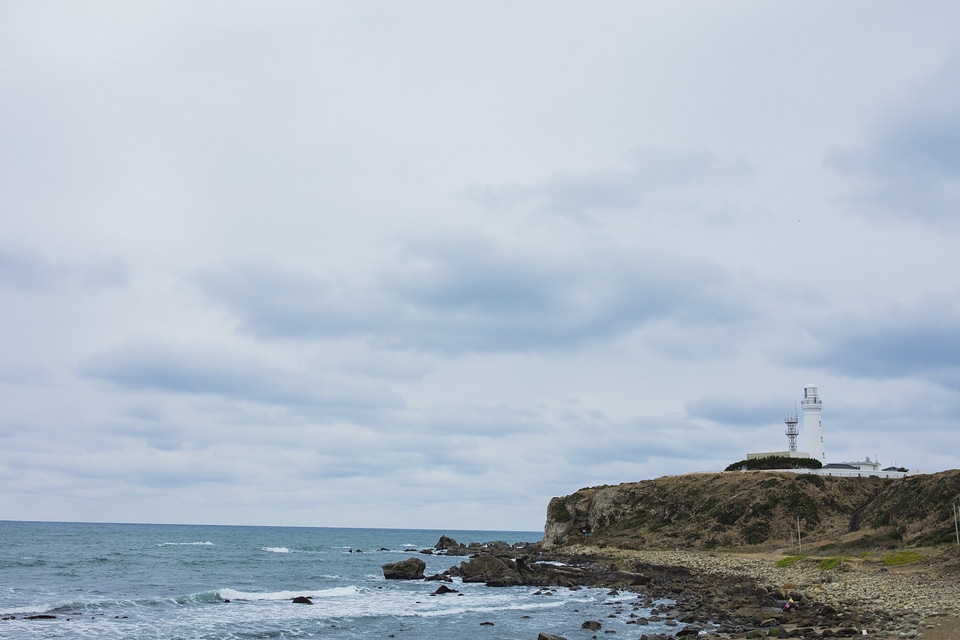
758, 509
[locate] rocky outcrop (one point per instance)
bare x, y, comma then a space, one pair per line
750, 509
409, 569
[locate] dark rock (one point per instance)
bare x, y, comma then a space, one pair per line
444, 589
591, 625
486, 624
439, 576
450, 547
487, 568
689, 630
42, 616
409, 569
302, 600
549, 636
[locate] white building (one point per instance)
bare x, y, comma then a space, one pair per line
812, 425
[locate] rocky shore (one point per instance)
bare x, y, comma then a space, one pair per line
736, 595
866, 597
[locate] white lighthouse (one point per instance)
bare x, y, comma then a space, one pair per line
812, 426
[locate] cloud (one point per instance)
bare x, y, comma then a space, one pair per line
24, 374
31, 273
653, 178
908, 166
737, 412
203, 370
919, 340
474, 294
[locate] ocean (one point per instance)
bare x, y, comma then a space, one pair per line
147, 581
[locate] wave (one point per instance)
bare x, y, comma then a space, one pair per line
275, 549
184, 544
336, 592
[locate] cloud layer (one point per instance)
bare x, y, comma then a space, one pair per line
341, 265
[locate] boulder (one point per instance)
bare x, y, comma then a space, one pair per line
439, 577
591, 625
444, 589
488, 568
302, 600
451, 547
689, 630
409, 569
549, 636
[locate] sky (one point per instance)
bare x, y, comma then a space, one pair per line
430, 264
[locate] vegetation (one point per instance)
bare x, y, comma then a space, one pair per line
831, 563
901, 557
774, 462
763, 508
788, 561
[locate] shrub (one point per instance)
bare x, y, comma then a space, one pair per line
775, 462
789, 560
901, 557
830, 563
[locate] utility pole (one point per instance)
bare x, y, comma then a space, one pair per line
800, 543
956, 520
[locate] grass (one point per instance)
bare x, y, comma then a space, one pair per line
831, 563
789, 560
901, 557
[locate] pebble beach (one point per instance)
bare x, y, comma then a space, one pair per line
906, 601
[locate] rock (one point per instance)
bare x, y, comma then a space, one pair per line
409, 569
689, 630
439, 577
446, 544
302, 600
487, 568
549, 636
591, 625
444, 589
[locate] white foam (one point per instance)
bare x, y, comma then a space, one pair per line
184, 544
233, 594
275, 549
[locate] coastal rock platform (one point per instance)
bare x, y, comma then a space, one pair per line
860, 597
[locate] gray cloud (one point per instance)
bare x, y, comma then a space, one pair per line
919, 340
739, 412
25, 374
189, 369
474, 294
909, 163
31, 273
654, 178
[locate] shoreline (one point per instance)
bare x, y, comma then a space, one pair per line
887, 603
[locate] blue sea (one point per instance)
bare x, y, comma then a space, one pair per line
146, 581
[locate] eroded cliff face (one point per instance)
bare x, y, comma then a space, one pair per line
753, 509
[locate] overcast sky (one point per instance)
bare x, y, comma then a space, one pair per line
429, 264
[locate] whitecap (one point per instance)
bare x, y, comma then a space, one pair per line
233, 594
275, 549
184, 544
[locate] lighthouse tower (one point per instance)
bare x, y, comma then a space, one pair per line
812, 426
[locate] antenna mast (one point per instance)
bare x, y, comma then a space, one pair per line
792, 432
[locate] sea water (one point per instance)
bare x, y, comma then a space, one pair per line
137, 581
